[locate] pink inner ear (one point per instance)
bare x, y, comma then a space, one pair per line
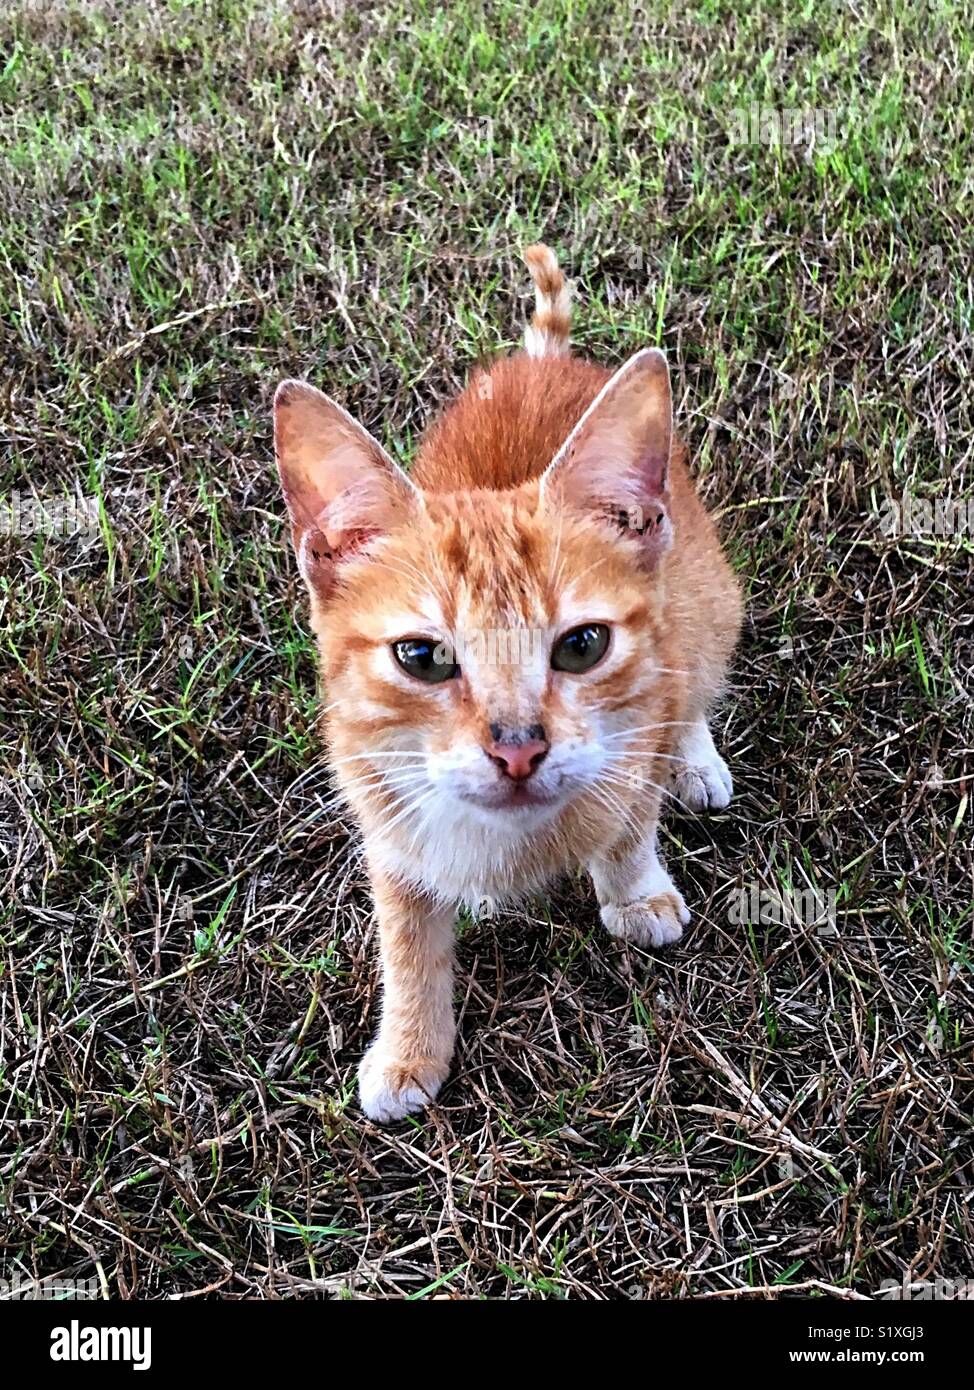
343, 529
616, 460
368, 503
619, 451
320, 557
341, 487
323, 548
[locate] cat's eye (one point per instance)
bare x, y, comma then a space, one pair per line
425, 659
580, 649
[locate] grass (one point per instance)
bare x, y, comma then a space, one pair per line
197, 199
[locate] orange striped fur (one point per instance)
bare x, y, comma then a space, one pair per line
549, 500
548, 332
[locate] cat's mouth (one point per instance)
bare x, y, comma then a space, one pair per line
517, 797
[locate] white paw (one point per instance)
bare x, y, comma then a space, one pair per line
391, 1089
701, 781
707, 788
657, 921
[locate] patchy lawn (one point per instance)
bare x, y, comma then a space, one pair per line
197, 199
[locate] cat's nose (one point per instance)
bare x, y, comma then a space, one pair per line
517, 752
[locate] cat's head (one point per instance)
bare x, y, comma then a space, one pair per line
497, 650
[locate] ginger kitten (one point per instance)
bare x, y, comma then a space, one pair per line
520, 643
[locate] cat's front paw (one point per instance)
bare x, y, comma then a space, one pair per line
390, 1088
705, 785
657, 921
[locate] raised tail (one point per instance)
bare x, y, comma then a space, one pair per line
548, 333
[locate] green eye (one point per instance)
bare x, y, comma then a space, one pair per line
580, 649
425, 659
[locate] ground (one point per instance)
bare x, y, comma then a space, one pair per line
197, 199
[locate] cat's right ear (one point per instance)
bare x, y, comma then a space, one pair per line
342, 489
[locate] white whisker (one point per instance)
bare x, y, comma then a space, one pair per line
648, 782
644, 728
379, 753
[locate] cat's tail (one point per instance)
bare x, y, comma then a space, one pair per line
548, 333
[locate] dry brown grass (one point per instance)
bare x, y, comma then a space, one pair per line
195, 203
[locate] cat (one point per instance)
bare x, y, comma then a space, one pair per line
520, 641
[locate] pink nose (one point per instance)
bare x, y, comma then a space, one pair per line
518, 760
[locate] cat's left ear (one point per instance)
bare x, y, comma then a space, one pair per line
341, 487
616, 460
